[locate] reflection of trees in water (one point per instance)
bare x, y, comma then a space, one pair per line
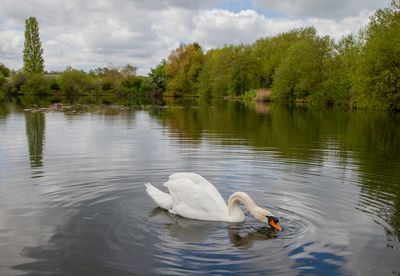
35, 126
4, 110
378, 152
307, 134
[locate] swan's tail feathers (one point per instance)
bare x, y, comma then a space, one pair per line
163, 200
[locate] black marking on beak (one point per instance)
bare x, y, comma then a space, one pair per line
275, 219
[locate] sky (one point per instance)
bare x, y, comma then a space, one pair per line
98, 33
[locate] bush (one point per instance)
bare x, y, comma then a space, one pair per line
249, 96
75, 82
54, 84
17, 81
35, 83
25, 83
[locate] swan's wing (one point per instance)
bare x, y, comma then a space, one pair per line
196, 178
200, 181
163, 200
191, 200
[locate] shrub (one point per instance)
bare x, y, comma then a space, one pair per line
35, 83
75, 82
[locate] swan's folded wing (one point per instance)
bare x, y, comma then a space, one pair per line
193, 201
201, 181
196, 178
163, 200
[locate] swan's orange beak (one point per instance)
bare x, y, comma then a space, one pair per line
275, 225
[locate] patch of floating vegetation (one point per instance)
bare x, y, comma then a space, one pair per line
80, 108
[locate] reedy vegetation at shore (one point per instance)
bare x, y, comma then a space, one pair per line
360, 70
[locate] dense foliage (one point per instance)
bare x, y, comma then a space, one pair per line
182, 70
299, 66
378, 80
4, 70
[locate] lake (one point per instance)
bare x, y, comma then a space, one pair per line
72, 199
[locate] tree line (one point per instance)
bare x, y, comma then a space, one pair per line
359, 70
33, 80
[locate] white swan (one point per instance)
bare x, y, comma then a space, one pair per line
192, 196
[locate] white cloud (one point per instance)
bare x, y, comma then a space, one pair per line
338, 9
88, 34
218, 27
11, 46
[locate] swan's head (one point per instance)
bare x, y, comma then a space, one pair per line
266, 216
273, 221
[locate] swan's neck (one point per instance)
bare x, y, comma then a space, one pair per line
235, 212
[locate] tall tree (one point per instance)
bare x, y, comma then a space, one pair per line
378, 82
182, 69
299, 75
33, 60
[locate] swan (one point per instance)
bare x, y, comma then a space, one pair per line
192, 196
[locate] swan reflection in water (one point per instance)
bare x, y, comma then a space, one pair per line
199, 231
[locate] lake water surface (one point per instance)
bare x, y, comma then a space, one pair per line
72, 200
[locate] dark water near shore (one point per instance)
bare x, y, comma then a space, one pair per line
72, 200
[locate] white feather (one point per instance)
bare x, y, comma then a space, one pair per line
163, 200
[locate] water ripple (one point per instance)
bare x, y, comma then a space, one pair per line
77, 205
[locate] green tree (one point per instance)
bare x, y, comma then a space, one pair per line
243, 71
128, 70
4, 71
158, 78
270, 52
32, 55
300, 75
230, 70
339, 72
182, 69
378, 82
214, 77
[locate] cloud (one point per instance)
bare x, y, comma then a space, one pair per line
337, 9
12, 42
90, 34
218, 27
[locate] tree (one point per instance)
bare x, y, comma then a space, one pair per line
299, 75
339, 72
158, 77
182, 69
271, 51
378, 82
4, 71
128, 70
32, 55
